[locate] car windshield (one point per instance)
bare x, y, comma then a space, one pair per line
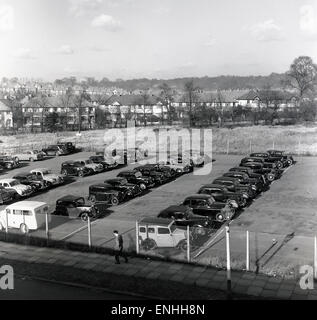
80, 201
14, 183
138, 174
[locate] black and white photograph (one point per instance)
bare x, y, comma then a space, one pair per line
158, 156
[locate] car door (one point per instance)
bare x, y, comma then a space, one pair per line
15, 218
202, 208
164, 237
217, 194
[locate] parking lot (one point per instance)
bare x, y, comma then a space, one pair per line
274, 212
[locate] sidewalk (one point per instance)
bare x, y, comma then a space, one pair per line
144, 275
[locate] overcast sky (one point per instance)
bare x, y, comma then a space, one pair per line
154, 38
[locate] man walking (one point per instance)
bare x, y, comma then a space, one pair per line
118, 247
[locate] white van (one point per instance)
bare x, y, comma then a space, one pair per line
24, 215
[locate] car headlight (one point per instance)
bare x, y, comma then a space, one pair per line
244, 195
253, 187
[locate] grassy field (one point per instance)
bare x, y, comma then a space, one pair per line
300, 140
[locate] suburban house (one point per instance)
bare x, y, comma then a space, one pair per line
6, 115
268, 98
74, 112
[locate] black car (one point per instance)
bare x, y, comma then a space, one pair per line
55, 150
136, 177
184, 216
251, 174
234, 185
105, 193
256, 185
221, 194
269, 159
166, 170
285, 158
73, 168
122, 184
69, 146
8, 162
206, 205
159, 177
30, 179
76, 207
258, 167
100, 159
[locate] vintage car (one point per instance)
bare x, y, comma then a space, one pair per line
8, 162
30, 179
74, 168
147, 171
55, 150
69, 146
270, 159
258, 167
105, 193
121, 184
166, 170
94, 167
179, 168
136, 177
21, 189
259, 177
24, 215
100, 159
52, 179
288, 160
161, 233
256, 185
206, 205
7, 195
234, 185
184, 216
221, 194
76, 207
29, 155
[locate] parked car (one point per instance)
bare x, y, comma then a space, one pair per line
100, 159
7, 195
24, 215
269, 159
184, 216
256, 185
94, 167
159, 177
179, 168
55, 150
206, 205
136, 177
21, 189
221, 194
121, 184
258, 167
74, 168
158, 233
8, 162
285, 158
233, 185
69, 146
251, 174
29, 155
76, 207
104, 193
168, 172
52, 179
31, 179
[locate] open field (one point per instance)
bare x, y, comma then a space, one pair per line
286, 213
300, 140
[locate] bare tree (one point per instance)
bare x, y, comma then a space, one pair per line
191, 97
145, 102
168, 97
79, 103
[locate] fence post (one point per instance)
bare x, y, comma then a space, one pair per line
188, 245
137, 237
46, 226
315, 257
250, 146
273, 145
228, 146
89, 232
228, 263
248, 253
7, 221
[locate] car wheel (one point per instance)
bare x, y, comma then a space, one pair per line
148, 244
114, 201
183, 245
198, 231
142, 186
64, 172
84, 216
271, 177
24, 228
279, 164
80, 173
289, 162
31, 159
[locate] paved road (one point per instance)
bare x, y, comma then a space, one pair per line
30, 289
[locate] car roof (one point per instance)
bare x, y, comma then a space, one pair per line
7, 180
115, 179
199, 196
102, 185
226, 179
212, 185
23, 174
273, 150
156, 221
69, 198
174, 208
127, 171
26, 204
40, 169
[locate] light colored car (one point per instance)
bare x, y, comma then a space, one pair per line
47, 175
177, 167
160, 232
28, 156
24, 215
95, 167
21, 189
